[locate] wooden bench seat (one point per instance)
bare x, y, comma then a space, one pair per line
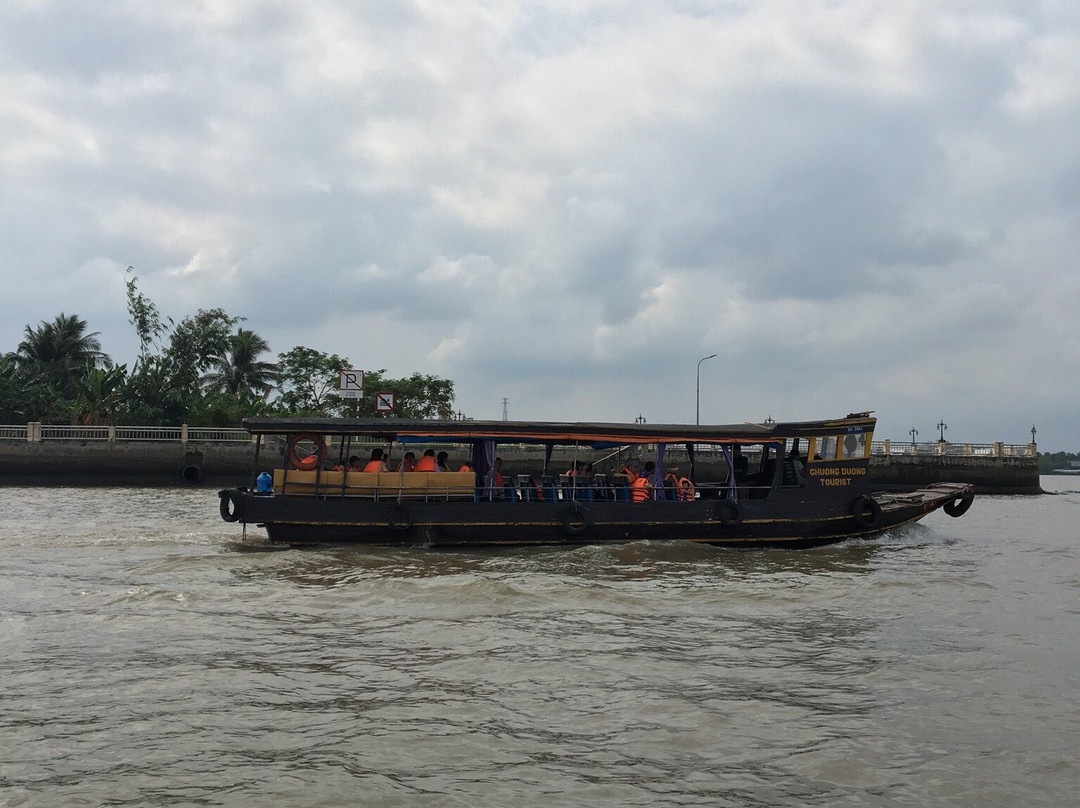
380, 485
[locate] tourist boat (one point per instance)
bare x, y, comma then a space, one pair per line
780, 484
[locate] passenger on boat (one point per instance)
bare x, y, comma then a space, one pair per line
677, 487
794, 471
577, 469
427, 462
466, 466
497, 474
441, 461
641, 489
631, 470
408, 462
354, 465
740, 465
671, 483
377, 463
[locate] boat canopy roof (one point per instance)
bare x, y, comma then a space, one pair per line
597, 434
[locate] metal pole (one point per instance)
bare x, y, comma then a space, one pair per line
697, 416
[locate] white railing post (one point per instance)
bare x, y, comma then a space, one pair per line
33, 432
183, 433
112, 433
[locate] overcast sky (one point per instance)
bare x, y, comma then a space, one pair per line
856, 204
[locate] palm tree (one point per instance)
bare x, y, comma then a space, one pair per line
54, 353
239, 372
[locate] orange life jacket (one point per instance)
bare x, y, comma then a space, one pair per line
641, 490
631, 475
426, 463
374, 465
686, 490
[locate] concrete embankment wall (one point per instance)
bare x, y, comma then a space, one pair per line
121, 463
989, 475
230, 463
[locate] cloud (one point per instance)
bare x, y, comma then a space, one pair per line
855, 205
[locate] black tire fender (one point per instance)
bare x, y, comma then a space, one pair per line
398, 518
231, 504
727, 512
575, 519
958, 506
866, 511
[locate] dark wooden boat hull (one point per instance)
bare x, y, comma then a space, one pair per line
783, 519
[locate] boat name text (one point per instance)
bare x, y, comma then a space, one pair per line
833, 476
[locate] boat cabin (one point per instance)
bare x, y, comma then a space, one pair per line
562, 461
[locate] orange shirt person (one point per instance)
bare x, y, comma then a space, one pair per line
641, 490
427, 462
377, 463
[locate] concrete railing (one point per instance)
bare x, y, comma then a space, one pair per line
887, 448
35, 432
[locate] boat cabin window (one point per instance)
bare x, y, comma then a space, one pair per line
823, 449
840, 447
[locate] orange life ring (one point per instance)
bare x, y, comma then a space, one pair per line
307, 462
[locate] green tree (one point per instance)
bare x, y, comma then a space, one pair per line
143, 314
239, 372
415, 396
309, 382
12, 399
150, 398
165, 385
47, 363
194, 343
98, 394
58, 350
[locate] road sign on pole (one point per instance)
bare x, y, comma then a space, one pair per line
351, 383
384, 402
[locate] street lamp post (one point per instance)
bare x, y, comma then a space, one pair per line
697, 415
